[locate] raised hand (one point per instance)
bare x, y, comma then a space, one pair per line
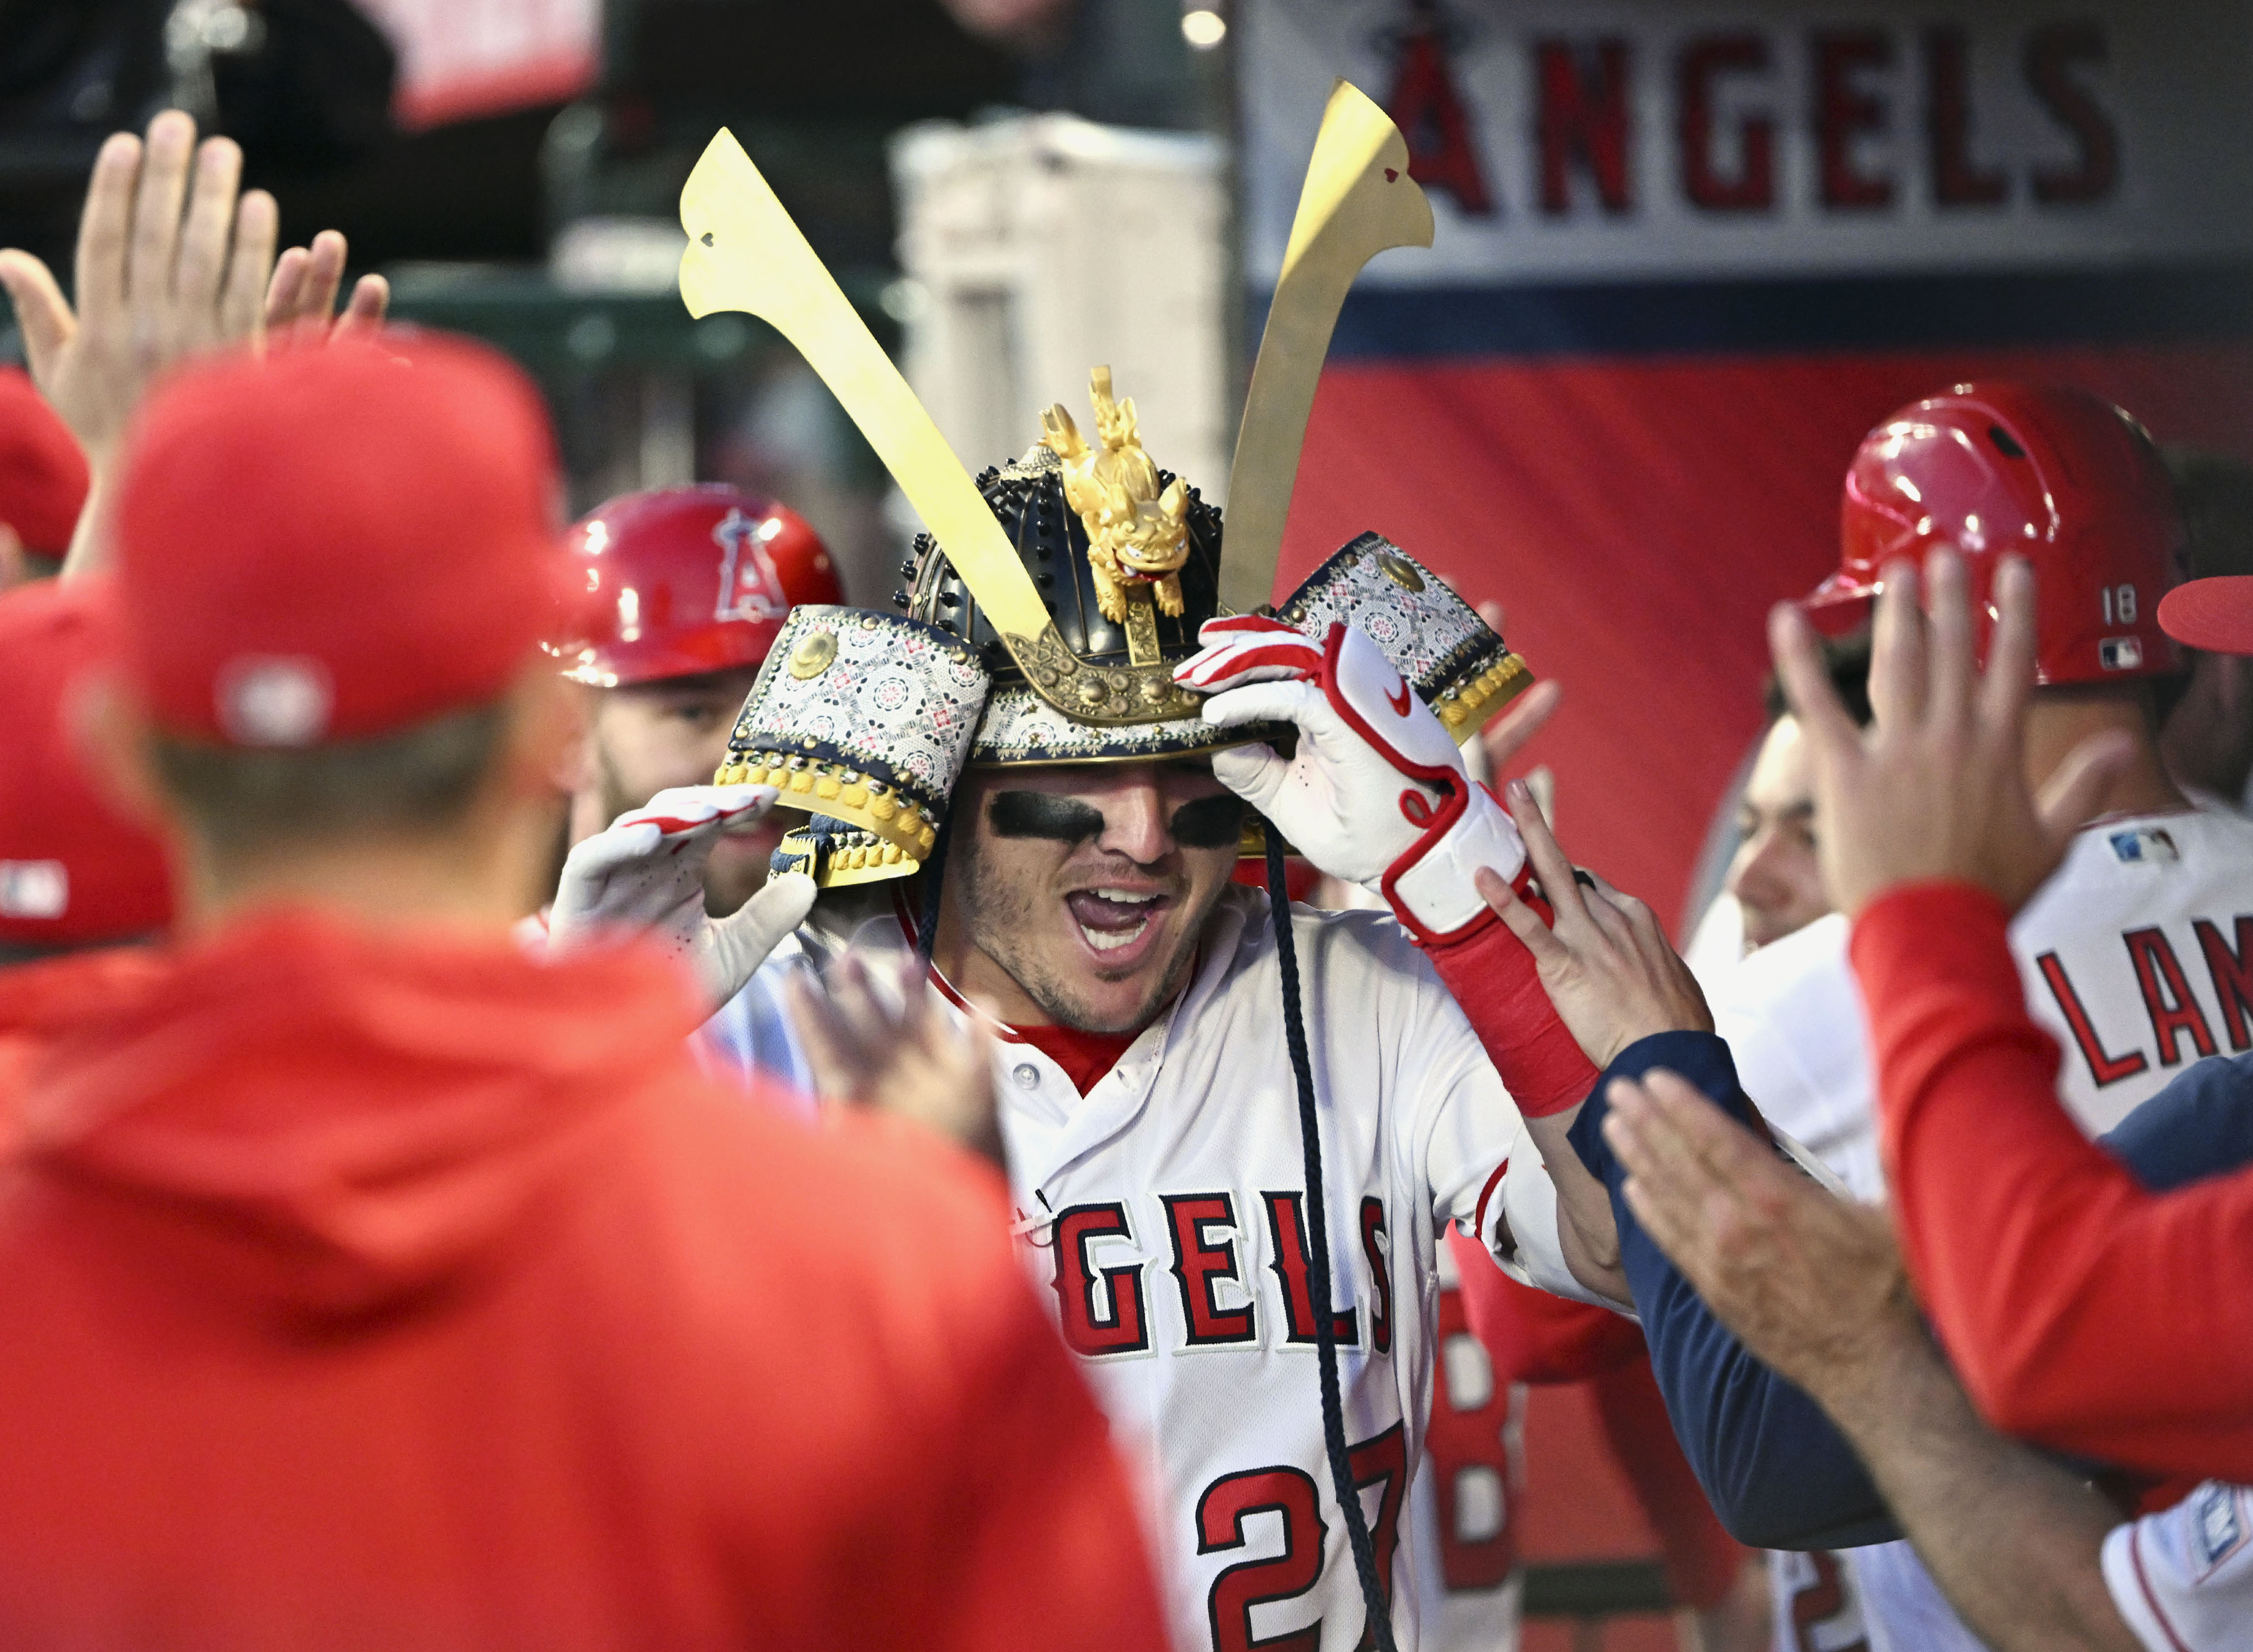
300, 300
643, 875
1811, 1283
174, 257
1606, 964
170, 261
898, 1053
1936, 787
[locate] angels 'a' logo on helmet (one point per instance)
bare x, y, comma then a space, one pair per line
750, 587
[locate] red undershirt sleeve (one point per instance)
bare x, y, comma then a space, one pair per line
2082, 1312
1531, 1336
1494, 982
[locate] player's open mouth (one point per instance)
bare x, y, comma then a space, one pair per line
1112, 920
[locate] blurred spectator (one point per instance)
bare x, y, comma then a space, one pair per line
409, 1245
43, 482
75, 870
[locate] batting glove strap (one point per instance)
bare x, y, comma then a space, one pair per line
1432, 889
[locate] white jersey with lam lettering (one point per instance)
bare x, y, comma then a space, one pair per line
2138, 958
2137, 955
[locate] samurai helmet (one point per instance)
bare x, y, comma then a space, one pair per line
1126, 559
1049, 601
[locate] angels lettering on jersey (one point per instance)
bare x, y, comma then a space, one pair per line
1103, 1274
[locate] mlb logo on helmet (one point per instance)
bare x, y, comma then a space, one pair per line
2120, 653
749, 587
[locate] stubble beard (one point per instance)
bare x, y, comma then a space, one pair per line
998, 920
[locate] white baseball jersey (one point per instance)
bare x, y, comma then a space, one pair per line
2183, 1579
1163, 1215
1815, 1609
2138, 958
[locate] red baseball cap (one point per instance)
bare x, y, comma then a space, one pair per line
43, 477
75, 870
335, 543
2215, 614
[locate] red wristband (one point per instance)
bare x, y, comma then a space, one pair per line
1493, 981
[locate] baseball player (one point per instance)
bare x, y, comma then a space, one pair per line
685, 591
80, 883
1773, 888
2132, 952
367, 1282
1149, 1110
2035, 1555
1234, 1131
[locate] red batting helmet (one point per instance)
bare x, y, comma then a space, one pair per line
683, 581
2060, 477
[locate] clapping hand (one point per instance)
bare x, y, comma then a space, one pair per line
898, 1052
1811, 1283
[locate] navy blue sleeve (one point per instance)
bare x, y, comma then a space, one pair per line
1776, 1470
2200, 1126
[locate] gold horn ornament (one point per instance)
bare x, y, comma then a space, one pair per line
1357, 201
746, 253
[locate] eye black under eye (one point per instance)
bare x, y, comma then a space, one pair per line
1041, 814
1209, 823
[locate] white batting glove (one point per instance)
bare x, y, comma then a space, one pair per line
1376, 794
644, 874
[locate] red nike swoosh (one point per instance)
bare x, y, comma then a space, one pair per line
1399, 702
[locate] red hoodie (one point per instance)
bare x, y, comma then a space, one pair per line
365, 1292
39, 1000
